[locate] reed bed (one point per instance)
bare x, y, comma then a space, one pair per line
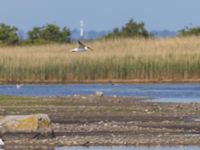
119, 60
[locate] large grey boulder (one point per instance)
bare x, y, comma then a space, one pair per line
25, 123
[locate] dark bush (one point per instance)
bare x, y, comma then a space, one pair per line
131, 29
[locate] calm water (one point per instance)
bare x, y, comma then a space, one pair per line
103, 148
156, 92
129, 148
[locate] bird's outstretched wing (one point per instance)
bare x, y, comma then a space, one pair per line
81, 45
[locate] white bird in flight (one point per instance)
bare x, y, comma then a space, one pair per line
82, 48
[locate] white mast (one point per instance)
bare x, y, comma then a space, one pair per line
81, 29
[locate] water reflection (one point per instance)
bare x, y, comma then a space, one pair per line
27, 147
129, 148
39, 147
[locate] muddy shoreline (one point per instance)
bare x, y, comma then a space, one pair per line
111, 81
107, 121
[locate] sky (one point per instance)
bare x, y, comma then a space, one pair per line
101, 14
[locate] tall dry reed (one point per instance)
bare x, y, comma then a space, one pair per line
137, 60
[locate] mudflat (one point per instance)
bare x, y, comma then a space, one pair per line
105, 121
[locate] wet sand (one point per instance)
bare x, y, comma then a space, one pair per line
107, 121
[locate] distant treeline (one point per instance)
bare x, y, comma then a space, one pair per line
52, 33
38, 35
131, 29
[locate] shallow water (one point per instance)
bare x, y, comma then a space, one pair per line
129, 148
103, 148
156, 92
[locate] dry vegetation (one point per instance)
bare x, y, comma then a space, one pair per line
122, 60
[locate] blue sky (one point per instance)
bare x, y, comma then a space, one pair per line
100, 14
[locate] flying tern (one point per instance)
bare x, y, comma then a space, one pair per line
82, 48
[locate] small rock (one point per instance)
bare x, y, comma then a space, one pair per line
99, 93
100, 122
83, 97
115, 126
105, 124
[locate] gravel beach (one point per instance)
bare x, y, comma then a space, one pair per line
106, 121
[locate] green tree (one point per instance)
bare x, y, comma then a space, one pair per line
8, 35
49, 34
65, 35
35, 34
131, 29
190, 31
